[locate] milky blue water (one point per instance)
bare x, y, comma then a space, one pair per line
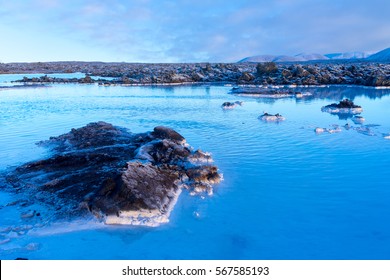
287, 193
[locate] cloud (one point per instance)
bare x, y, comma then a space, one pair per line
178, 31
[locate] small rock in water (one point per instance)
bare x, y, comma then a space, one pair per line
271, 118
231, 105
344, 107
335, 129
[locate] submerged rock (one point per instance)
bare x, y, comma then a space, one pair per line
345, 106
271, 118
366, 130
347, 126
231, 105
334, 129
119, 177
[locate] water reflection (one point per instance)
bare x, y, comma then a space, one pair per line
350, 92
320, 196
329, 92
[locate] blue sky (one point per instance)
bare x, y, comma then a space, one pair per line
188, 30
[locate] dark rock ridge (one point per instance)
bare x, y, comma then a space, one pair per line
268, 73
120, 177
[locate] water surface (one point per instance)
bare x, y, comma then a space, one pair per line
287, 192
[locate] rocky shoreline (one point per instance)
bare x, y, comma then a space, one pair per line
269, 73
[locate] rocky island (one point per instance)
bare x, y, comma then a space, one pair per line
344, 107
115, 175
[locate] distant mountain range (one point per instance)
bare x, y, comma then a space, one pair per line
382, 56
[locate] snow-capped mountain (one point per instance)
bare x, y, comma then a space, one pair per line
259, 58
383, 56
311, 56
285, 58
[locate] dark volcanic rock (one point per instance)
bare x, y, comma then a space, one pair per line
246, 77
163, 132
359, 73
344, 108
346, 103
120, 177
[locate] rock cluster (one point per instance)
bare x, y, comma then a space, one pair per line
320, 73
118, 176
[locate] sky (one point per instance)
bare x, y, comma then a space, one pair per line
187, 30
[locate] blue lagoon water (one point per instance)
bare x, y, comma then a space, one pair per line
287, 192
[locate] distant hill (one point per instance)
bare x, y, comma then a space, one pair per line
383, 56
285, 58
379, 56
311, 56
349, 55
259, 58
